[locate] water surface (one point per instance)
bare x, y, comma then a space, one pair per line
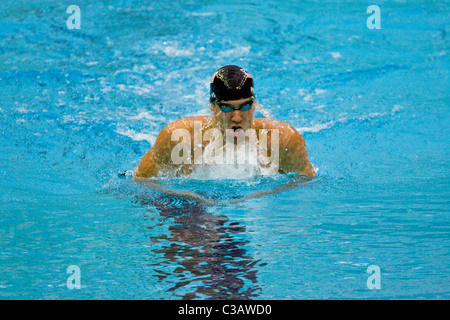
80, 106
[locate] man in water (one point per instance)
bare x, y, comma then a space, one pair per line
232, 102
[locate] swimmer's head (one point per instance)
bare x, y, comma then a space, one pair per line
231, 83
232, 98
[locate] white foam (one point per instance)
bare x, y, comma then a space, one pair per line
23, 110
238, 51
142, 90
322, 126
203, 14
225, 171
145, 115
336, 55
354, 37
317, 127
145, 89
175, 52
252, 168
172, 49
137, 136
319, 107
307, 98
396, 108
319, 91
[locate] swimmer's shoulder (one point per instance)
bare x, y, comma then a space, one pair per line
284, 127
186, 123
289, 137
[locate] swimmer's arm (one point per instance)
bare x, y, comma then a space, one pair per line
289, 186
147, 166
294, 157
155, 185
155, 157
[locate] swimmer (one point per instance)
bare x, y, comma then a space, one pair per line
232, 102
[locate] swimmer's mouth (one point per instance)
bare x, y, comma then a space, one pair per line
237, 131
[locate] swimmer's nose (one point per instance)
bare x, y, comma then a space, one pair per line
237, 116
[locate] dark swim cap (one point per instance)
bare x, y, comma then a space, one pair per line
231, 83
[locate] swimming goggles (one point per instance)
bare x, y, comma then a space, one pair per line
243, 107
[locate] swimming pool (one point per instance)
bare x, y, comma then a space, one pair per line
80, 106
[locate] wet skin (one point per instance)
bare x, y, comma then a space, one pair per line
293, 156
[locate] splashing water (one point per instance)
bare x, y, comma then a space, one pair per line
264, 112
245, 162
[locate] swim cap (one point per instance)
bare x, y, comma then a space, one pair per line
231, 83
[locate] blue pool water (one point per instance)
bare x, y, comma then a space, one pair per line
80, 106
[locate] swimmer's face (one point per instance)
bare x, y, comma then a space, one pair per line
237, 120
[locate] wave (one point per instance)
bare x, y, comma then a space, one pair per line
327, 125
